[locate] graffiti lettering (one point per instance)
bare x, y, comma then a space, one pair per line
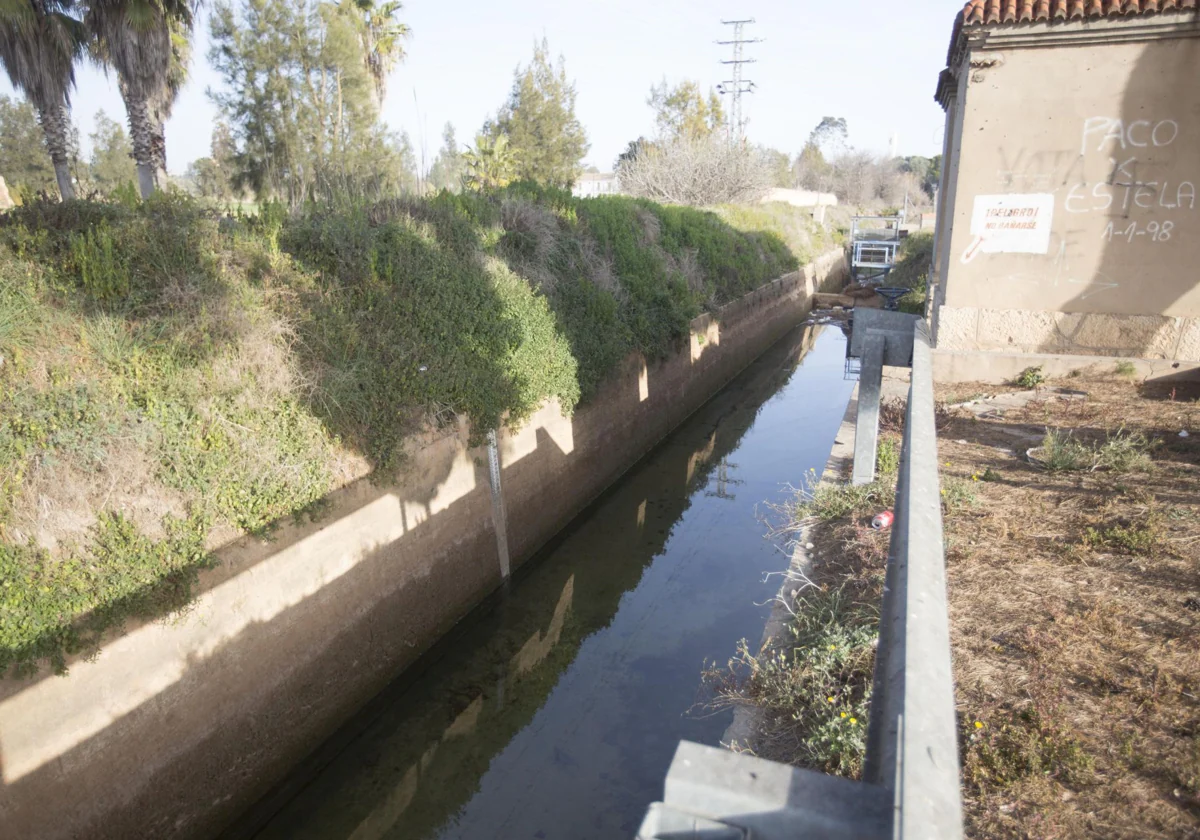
1139, 134
1099, 198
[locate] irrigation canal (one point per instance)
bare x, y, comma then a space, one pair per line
552, 712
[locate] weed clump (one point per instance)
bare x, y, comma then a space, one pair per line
887, 460
826, 502
1121, 452
1142, 537
1031, 377
815, 684
1015, 745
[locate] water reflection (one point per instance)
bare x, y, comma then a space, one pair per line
555, 711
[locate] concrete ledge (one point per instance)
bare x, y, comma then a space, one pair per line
1081, 333
715, 794
984, 366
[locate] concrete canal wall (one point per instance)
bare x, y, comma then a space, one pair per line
178, 725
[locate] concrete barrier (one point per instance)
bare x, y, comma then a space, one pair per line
178, 725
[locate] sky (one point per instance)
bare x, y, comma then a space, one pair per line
857, 59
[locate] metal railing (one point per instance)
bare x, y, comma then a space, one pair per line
911, 778
912, 747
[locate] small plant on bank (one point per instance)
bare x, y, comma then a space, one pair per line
826, 501
1031, 377
815, 684
1014, 745
1061, 452
887, 460
1121, 452
956, 495
1126, 368
1141, 538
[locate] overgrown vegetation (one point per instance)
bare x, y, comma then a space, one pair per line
911, 271
811, 689
805, 237
169, 372
815, 684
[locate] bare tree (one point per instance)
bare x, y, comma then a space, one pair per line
862, 179
697, 171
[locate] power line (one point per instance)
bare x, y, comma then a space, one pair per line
737, 86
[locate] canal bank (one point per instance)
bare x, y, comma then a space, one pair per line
176, 726
555, 709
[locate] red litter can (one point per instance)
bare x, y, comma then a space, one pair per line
883, 521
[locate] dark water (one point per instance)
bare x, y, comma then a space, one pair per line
553, 712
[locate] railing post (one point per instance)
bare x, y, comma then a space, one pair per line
866, 429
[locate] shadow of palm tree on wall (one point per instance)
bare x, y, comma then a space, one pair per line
1149, 236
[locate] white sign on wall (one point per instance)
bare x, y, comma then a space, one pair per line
1011, 224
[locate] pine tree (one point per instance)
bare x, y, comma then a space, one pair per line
448, 167
24, 163
299, 95
539, 121
112, 164
683, 111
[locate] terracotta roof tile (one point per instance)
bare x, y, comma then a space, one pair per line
999, 12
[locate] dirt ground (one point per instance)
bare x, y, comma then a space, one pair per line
1075, 612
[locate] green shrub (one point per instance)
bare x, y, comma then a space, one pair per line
956, 495
101, 272
911, 271
816, 680
1121, 452
1031, 377
1061, 452
1142, 538
1126, 368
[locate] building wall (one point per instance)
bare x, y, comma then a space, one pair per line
589, 186
1072, 208
801, 198
178, 725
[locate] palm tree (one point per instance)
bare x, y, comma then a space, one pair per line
39, 44
491, 165
146, 41
382, 39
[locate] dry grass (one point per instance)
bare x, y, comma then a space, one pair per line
1075, 612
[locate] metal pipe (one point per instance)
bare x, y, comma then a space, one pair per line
499, 519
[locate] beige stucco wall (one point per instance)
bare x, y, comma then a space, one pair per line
178, 725
1109, 135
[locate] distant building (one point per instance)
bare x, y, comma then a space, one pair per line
1068, 219
595, 184
800, 198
